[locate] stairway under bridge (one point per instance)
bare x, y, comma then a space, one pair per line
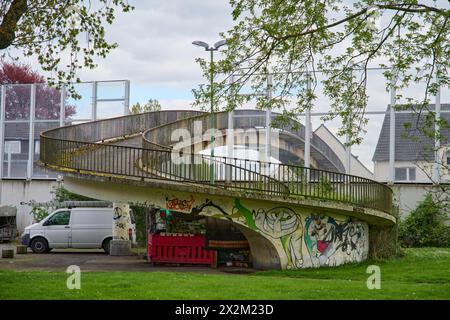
292, 216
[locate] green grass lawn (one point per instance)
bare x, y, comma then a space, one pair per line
420, 274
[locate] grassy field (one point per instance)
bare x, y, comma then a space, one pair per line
420, 274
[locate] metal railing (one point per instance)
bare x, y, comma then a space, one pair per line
88, 148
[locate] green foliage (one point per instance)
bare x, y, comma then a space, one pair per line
324, 186
139, 215
151, 105
62, 194
341, 40
50, 30
424, 226
39, 213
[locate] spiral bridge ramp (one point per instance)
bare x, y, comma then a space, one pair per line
292, 216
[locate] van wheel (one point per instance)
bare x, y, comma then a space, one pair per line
39, 245
106, 245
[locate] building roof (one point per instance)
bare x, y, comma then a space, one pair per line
411, 144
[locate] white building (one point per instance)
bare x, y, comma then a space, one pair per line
414, 157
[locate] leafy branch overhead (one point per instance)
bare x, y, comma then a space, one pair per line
342, 42
64, 35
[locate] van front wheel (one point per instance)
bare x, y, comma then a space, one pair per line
106, 244
39, 245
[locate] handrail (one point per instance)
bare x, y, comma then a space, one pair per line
82, 148
293, 128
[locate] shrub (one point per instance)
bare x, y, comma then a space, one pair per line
424, 226
39, 213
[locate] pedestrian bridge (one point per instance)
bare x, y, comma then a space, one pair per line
292, 216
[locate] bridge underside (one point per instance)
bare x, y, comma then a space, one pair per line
282, 233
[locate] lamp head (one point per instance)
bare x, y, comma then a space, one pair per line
201, 44
220, 43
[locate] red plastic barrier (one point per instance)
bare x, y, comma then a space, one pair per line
178, 249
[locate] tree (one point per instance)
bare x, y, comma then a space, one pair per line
291, 39
425, 225
151, 105
51, 29
17, 99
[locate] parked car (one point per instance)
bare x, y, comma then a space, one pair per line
86, 228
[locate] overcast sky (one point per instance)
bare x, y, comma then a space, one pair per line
155, 47
155, 53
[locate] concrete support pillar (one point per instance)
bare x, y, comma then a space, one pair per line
121, 242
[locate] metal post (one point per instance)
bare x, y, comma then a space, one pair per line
392, 130
62, 111
2, 131
31, 132
230, 140
212, 125
348, 156
126, 103
9, 164
308, 131
268, 119
437, 139
94, 100
2, 134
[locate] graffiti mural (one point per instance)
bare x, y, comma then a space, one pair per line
180, 205
284, 224
325, 238
281, 224
301, 240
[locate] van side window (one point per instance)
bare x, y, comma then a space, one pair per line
61, 218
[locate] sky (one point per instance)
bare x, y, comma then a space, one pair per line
156, 54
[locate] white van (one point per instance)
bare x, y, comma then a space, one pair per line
86, 228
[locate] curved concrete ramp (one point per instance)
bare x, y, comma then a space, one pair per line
293, 217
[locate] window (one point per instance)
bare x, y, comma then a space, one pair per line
400, 174
59, 219
405, 174
13, 147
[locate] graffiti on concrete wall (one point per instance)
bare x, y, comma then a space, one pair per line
121, 222
180, 205
325, 237
284, 224
315, 240
279, 223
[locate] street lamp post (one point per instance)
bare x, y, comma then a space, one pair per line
211, 49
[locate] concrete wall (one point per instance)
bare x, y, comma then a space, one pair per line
408, 195
13, 192
356, 167
299, 236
